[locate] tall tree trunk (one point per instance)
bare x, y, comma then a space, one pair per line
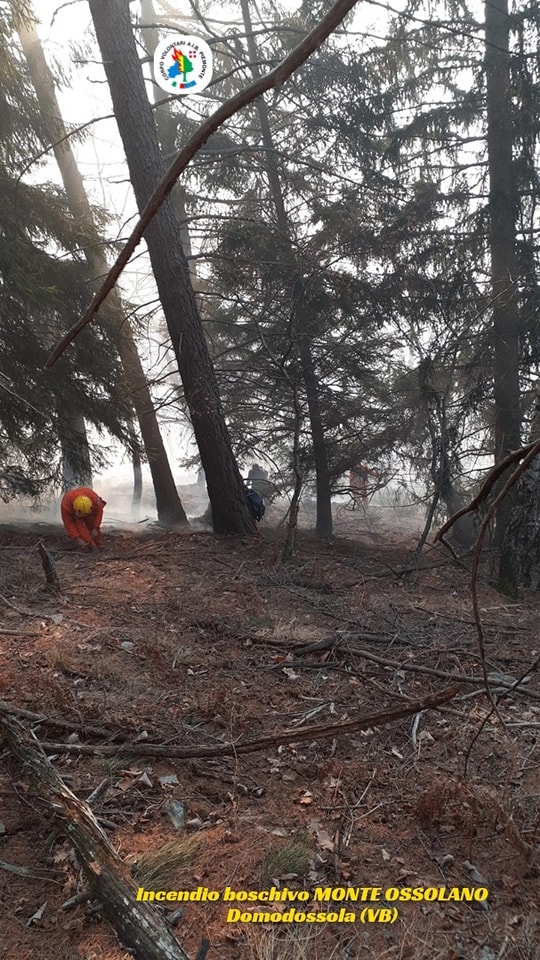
76, 462
309, 375
114, 33
137, 469
522, 536
503, 208
169, 507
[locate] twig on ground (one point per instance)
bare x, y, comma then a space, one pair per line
49, 566
79, 898
435, 672
203, 950
98, 792
414, 731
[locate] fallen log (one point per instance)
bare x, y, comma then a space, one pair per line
138, 926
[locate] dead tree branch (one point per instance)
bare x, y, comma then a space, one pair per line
275, 78
319, 732
526, 454
529, 452
57, 722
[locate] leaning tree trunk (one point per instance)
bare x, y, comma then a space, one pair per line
503, 208
133, 113
168, 505
298, 325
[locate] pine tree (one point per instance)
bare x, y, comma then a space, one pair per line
43, 284
169, 508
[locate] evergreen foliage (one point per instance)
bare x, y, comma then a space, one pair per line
44, 285
382, 159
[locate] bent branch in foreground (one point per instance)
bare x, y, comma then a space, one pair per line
318, 732
275, 78
138, 926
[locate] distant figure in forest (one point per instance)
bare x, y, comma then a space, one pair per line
82, 515
257, 479
359, 482
257, 472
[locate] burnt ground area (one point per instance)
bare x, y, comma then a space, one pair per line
189, 640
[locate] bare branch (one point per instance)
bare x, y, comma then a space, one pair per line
275, 78
493, 475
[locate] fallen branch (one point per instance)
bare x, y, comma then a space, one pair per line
21, 871
139, 927
322, 731
83, 728
430, 671
275, 78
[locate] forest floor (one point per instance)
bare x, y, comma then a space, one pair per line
187, 639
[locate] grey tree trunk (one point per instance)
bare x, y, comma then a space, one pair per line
521, 545
76, 461
137, 470
169, 507
503, 209
114, 33
324, 525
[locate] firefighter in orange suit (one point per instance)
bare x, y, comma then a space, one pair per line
82, 513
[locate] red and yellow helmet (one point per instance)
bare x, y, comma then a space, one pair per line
82, 506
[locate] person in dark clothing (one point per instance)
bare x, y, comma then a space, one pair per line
257, 472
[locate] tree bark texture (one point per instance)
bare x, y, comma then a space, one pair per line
139, 927
136, 462
168, 505
114, 33
503, 209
